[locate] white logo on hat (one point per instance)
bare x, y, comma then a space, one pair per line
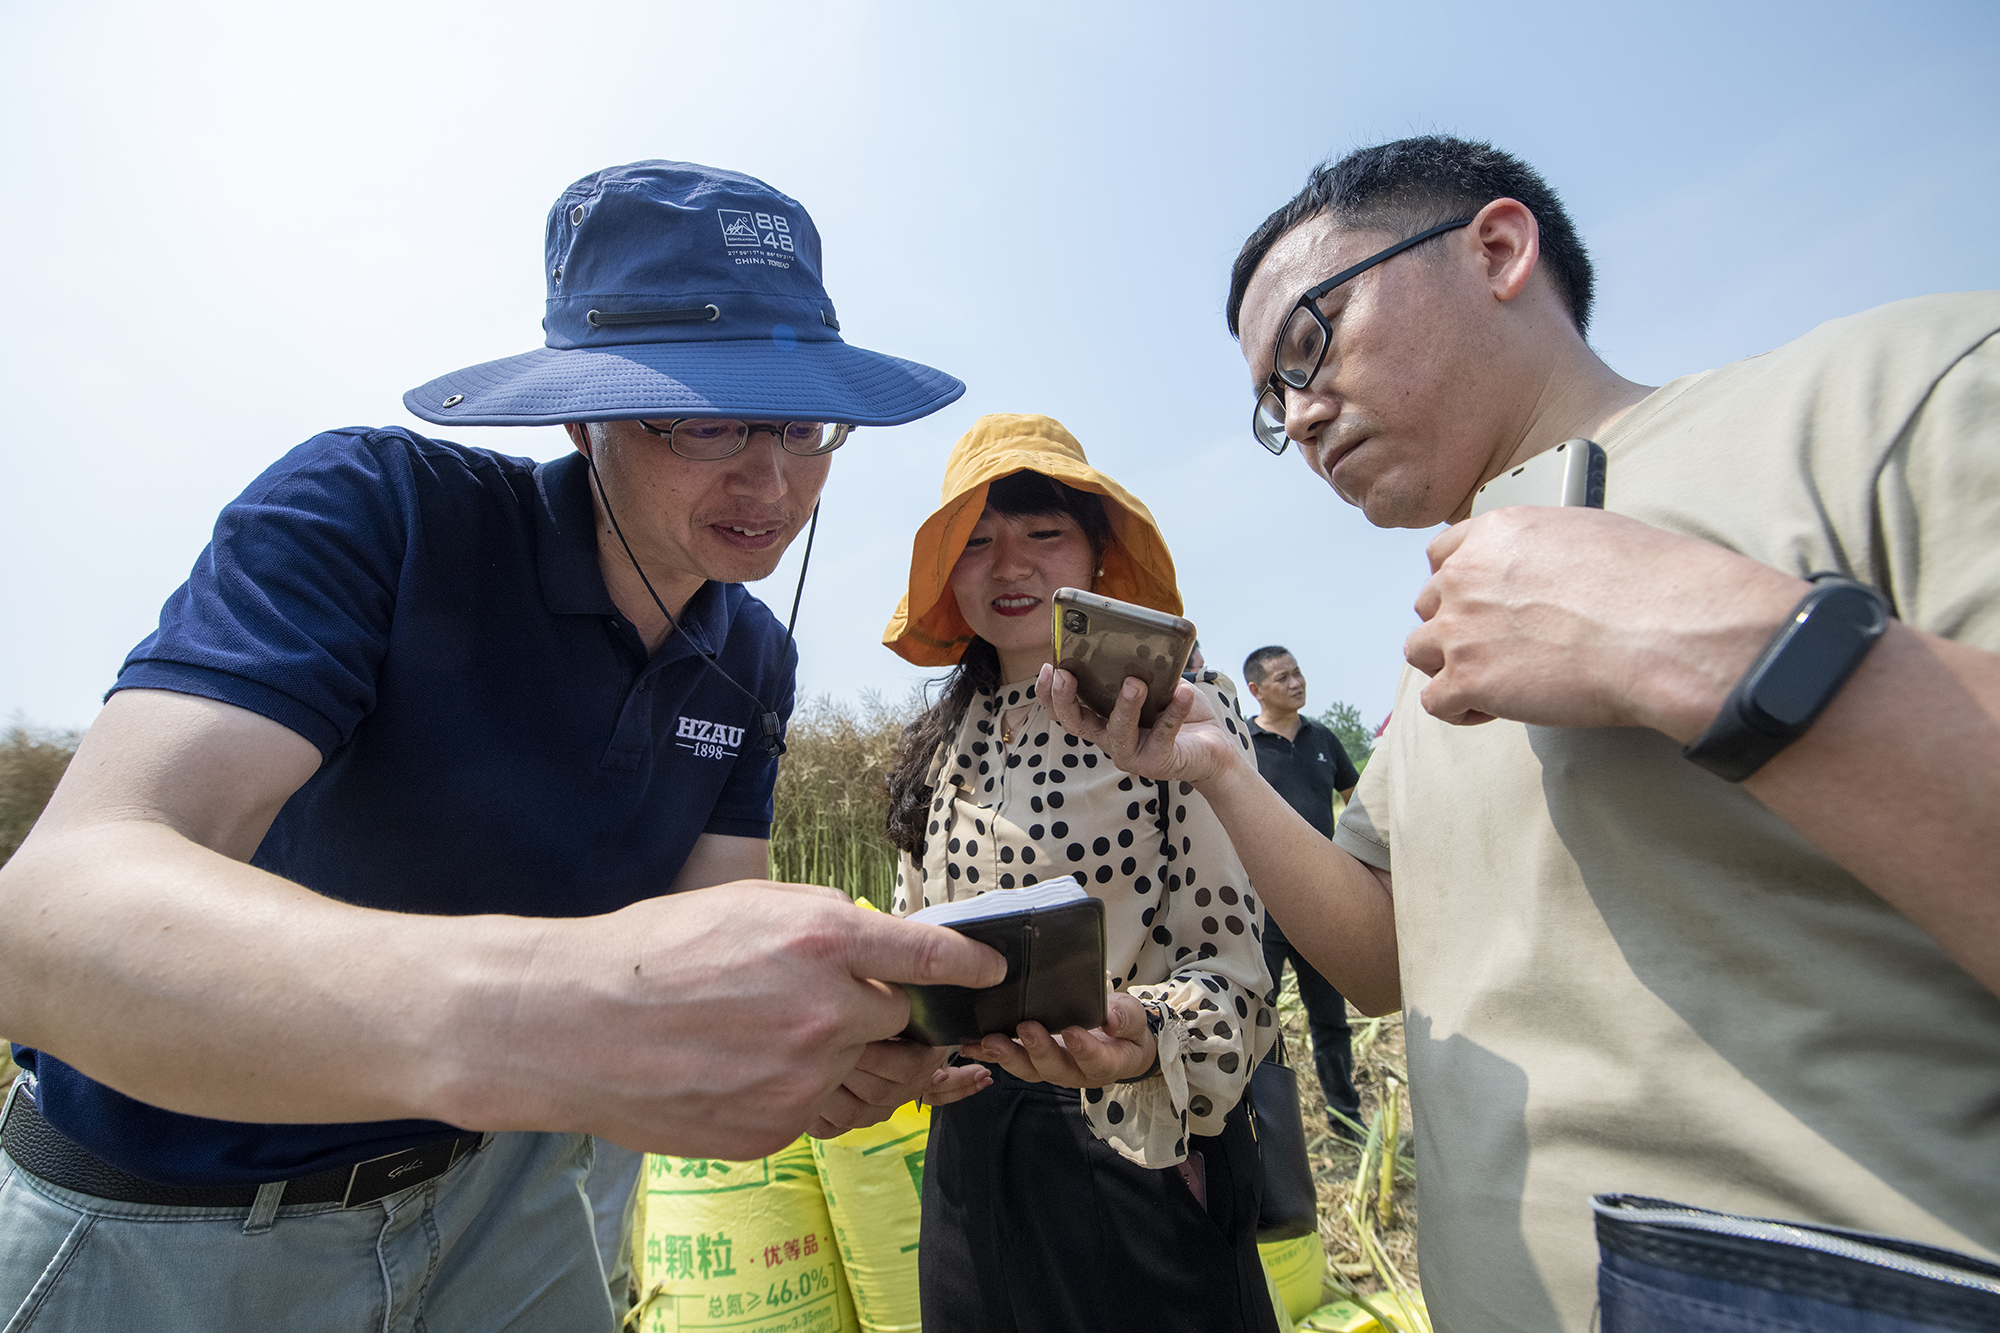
745, 230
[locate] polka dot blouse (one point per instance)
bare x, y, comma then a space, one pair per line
1182, 928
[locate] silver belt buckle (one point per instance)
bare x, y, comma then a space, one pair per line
20, 1088
380, 1174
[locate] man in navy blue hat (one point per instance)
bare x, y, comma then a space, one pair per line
361, 906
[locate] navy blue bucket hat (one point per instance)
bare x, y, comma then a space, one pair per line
678, 290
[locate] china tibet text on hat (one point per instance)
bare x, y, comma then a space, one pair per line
682, 290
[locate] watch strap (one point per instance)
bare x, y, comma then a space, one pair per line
1155, 1020
1807, 660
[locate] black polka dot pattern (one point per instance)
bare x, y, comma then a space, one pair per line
1181, 924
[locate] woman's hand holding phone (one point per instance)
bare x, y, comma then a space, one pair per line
1121, 1050
1186, 743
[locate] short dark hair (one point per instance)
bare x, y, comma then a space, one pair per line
1253, 665
1411, 184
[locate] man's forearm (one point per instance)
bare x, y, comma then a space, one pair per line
1899, 782
1581, 618
1335, 910
703, 1024
203, 985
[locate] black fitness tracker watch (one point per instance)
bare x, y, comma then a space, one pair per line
1792, 681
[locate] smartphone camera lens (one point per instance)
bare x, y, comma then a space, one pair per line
1075, 622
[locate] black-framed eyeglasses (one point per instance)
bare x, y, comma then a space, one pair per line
711, 439
1300, 348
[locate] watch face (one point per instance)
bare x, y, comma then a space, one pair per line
1824, 643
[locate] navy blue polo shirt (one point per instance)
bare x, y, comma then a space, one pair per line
494, 736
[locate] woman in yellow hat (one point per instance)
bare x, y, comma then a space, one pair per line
1099, 1180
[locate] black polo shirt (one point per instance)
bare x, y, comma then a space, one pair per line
1307, 770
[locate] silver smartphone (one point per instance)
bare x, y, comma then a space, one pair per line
1572, 473
1101, 641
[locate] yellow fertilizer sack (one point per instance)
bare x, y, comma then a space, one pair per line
1340, 1317
1297, 1267
1285, 1324
1347, 1317
874, 1183
740, 1246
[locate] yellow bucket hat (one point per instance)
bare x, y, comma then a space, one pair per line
927, 628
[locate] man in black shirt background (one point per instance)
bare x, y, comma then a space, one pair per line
1307, 764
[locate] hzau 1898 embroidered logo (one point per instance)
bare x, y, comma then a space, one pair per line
708, 740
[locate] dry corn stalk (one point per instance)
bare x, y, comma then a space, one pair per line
1394, 1307
1385, 1190
638, 1312
1371, 1256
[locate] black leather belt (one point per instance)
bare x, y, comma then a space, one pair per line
38, 1148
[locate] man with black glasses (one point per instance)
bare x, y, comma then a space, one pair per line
362, 904
1651, 934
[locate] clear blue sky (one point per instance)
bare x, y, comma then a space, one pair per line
231, 226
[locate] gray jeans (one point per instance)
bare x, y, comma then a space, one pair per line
503, 1240
613, 1188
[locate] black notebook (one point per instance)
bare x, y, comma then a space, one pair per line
1052, 936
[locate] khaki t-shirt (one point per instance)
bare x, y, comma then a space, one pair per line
1622, 973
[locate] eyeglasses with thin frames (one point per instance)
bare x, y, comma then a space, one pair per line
711, 439
1300, 348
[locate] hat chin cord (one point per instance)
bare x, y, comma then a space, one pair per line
768, 723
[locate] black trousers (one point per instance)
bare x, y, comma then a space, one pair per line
1031, 1224
1326, 1014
